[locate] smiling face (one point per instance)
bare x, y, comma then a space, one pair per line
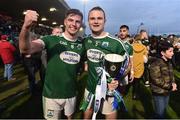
123, 33
72, 24
96, 21
168, 53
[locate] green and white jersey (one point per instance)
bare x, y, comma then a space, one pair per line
63, 56
96, 47
128, 47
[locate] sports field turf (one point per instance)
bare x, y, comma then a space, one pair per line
16, 102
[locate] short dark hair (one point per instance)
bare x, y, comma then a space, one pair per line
171, 35
163, 46
142, 30
99, 9
124, 26
74, 12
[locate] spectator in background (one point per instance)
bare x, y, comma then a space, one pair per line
177, 53
139, 58
32, 63
57, 31
153, 46
162, 78
145, 42
144, 38
124, 37
7, 54
170, 38
175, 41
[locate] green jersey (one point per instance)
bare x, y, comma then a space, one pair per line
96, 48
63, 58
128, 47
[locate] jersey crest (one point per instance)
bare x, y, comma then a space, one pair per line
105, 44
50, 113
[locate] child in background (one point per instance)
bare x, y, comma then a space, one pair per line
162, 78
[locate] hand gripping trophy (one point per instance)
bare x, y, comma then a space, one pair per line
113, 66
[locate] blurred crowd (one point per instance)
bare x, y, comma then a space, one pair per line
144, 49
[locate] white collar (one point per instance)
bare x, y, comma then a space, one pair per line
100, 37
68, 39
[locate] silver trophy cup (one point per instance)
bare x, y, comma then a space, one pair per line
113, 64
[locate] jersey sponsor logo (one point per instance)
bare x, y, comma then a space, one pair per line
70, 57
94, 55
63, 42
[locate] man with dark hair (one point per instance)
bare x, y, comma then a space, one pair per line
124, 37
124, 26
162, 79
64, 54
98, 44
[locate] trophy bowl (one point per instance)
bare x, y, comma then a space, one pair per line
113, 63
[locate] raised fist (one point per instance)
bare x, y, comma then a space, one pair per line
30, 19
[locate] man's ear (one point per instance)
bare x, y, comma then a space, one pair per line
162, 53
64, 22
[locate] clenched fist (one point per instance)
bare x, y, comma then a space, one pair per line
30, 19
113, 85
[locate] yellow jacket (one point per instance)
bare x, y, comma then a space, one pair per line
139, 54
